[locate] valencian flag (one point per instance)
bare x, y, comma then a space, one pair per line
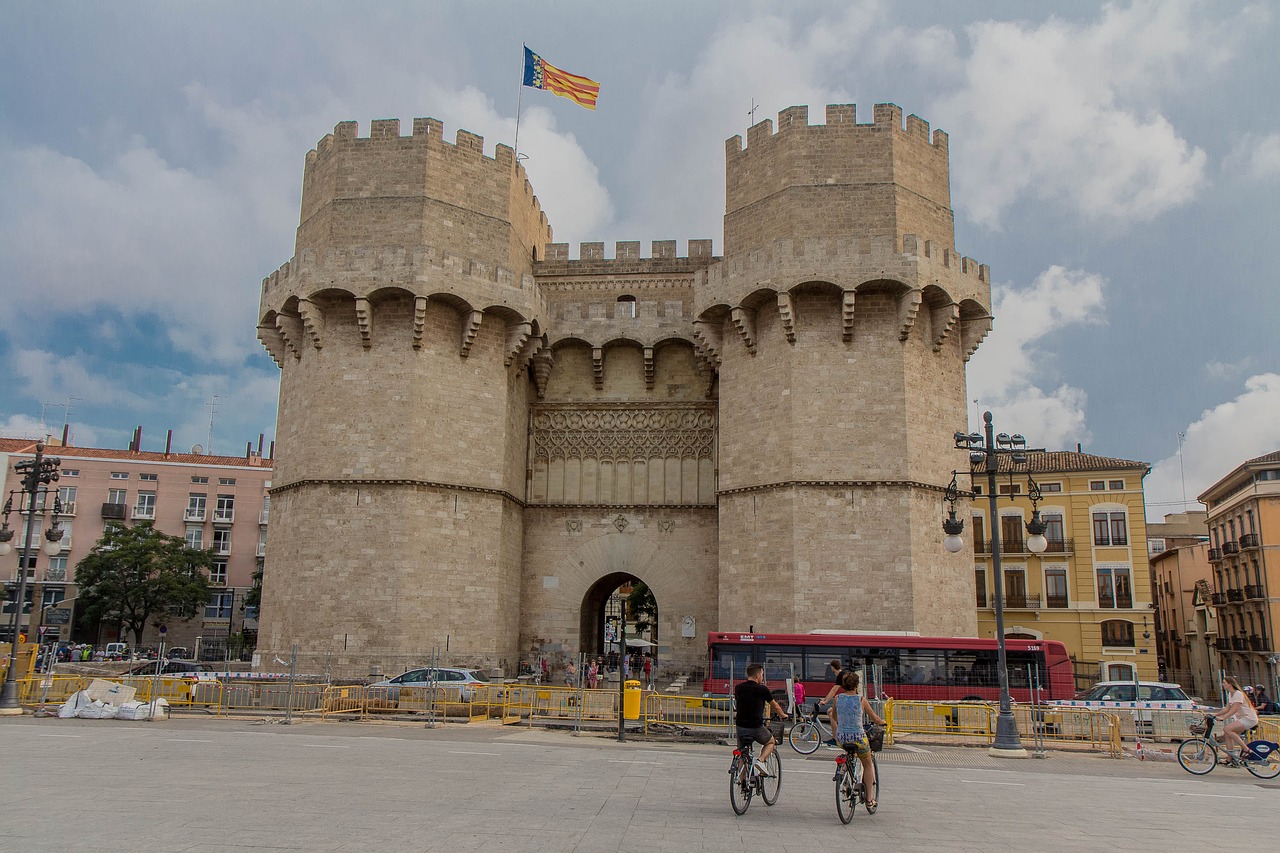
540, 74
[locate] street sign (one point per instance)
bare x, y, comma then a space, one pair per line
42, 629
57, 616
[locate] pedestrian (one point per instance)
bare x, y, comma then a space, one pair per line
1261, 703
593, 675
570, 674
648, 670
626, 667
546, 670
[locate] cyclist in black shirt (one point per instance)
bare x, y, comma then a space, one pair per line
752, 697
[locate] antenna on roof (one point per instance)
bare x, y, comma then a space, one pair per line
213, 410
196, 450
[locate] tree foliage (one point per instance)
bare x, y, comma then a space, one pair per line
642, 607
135, 573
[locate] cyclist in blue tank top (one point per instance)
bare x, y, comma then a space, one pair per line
848, 713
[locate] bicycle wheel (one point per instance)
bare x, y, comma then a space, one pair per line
805, 737
1197, 756
874, 794
771, 786
846, 794
741, 786
1268, 767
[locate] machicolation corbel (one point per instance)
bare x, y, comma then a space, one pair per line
908, 309
419, 319
846, 315
744, 320
470, 328
312, 321
364, 321
597, 367
944, 319
517, 335
786, 311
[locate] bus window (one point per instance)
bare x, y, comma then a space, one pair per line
731, 663
1019, 662
781, 661
922, 666
817, 662
972, 668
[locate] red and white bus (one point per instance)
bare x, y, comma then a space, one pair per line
901, 666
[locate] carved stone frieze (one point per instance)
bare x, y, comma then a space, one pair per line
618, 433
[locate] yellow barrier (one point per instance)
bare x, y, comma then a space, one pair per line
1052, 723
686, 711
349, 699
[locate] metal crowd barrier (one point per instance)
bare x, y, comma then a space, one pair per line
1050, 723
664, 709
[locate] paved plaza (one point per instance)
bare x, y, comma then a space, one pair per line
200, 784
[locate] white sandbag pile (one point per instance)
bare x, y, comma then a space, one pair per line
106, 700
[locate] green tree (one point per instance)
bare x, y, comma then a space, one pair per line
642, 607
135, 573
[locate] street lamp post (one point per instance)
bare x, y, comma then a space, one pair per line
986, 450
36, 473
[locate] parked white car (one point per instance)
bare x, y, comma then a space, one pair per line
1119, 696
466, 679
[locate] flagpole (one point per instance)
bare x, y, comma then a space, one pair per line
519, 100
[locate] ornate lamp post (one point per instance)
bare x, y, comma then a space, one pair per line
36, 473
986, 450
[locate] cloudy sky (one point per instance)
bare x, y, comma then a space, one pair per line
1117, 165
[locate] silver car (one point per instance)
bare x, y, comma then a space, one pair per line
466, 679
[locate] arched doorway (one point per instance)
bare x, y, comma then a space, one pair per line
601, 610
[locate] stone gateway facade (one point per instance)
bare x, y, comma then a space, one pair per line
480, 438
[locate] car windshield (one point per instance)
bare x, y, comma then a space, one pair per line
477, 675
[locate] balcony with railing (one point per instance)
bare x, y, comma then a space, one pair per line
1061, 546
1230, 548
263, 516
113, 511
58, 575
1222, 644
144, 513
1219, 598
262, 552
1057, 601
1215, 555
1249, 540
1234, 595
1258, 643
1253, 590
193, 514
1021, 601
1239, 644
68, 508
224, 516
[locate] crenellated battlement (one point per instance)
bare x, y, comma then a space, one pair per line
361, 269
629, 250
840, 119
837, 178
399, 180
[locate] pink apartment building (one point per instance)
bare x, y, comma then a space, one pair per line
218, 502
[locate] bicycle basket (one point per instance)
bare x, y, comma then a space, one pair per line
875, 738
1198, 729
776, 727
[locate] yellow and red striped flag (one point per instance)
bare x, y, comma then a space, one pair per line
540, 74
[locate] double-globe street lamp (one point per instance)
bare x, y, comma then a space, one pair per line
986, 451
36, 474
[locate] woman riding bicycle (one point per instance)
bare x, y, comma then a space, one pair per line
847, 715
1239, 714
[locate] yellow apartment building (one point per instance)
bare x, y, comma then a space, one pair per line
1244, 553
1091, 588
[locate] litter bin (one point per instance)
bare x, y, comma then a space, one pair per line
631, 700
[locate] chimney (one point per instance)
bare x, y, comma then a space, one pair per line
66, 428
168, 442
1078, 450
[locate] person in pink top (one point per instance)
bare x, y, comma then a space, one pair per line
1239, 714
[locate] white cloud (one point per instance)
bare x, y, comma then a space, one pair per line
1214, 444
1066, 113
1221, 370
999, 374
1254, 158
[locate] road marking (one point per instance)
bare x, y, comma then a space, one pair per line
981, 782
1219, 796
44, 735
325, 746
906, 748
187, 740
631, 761
461, 752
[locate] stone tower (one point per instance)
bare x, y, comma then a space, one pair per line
840, 319
403, 327
481, 438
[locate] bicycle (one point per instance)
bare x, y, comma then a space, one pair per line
1199, 755
809, 733
746, 778
849, 785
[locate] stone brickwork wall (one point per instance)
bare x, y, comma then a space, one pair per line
481, 437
